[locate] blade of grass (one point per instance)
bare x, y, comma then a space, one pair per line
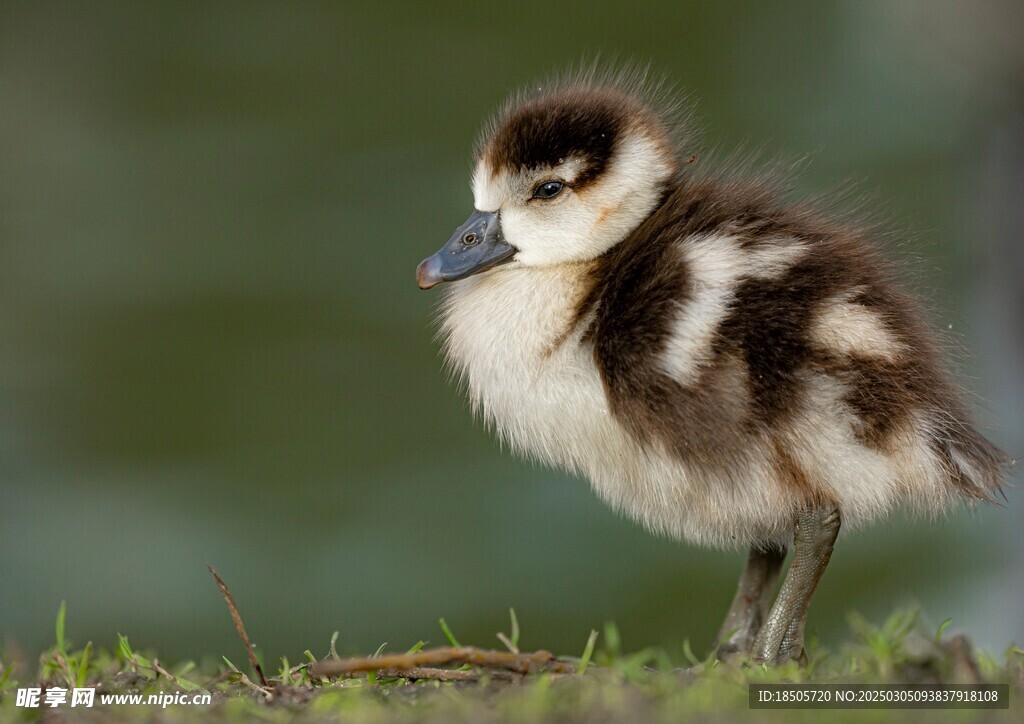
448, 633
514, 633
62, 613
612, 639
124, 648
588, 651
83, 665
131, 657
688, 653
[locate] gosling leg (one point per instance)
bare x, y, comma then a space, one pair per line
750, 604
782, 636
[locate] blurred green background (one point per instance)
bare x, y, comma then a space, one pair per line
214, 350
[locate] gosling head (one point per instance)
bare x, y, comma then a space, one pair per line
561, 176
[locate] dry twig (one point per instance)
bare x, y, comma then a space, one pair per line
266, 693
161, 671
401, 664
508, 643
425, 672
237, 619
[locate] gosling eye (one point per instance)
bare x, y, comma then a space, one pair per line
548, 190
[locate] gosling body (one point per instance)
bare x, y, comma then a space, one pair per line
723, 366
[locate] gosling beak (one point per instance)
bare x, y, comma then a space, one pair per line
476, 246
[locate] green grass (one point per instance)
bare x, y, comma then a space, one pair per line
612, 684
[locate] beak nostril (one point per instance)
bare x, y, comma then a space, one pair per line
476, 246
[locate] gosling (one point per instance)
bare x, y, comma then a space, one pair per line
723, 366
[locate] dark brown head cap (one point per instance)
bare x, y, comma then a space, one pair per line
583, 116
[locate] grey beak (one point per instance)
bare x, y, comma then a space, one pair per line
476, 246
